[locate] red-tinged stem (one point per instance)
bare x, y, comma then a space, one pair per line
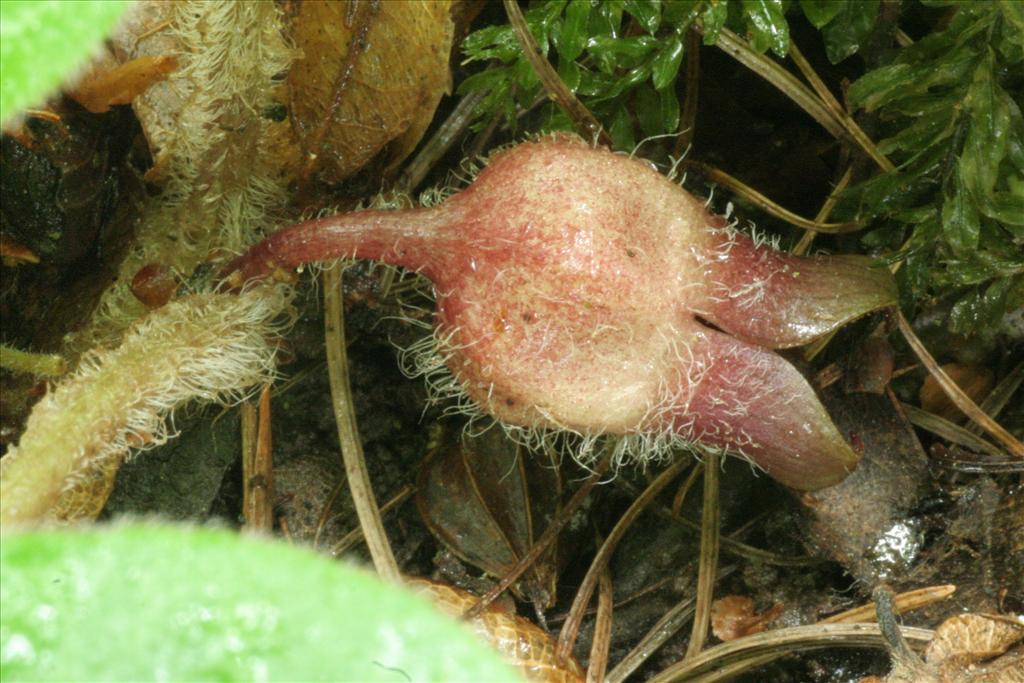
412, 238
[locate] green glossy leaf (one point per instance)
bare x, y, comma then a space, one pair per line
987, 139
713, 18
767, 26
849, 28
892, 83
1013, 15
606, 18
43, 42
646, 12
669, 110
621, 53
149, 602
982, 308
820, 12
666, 62
648, 111
961, 222
680, 13
930, 128
621, 131
491, 42
573, 36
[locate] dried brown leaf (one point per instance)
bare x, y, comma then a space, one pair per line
733, 617
975, 380
392, 89
522, 643
100, 90
487, 500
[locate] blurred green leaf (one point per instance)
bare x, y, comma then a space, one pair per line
149, 602
767, 26
646, 12
820, 12
573, 35
960, 220
666, 63
42, 42
849, 28
713, 18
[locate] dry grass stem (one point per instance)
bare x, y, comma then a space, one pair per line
903, 602
721, 662
570, 629
1000, 395
707, 567
440, 142
601, 643
841, 127
354, 537
258, 467
949, 431
804, 245
584, 121
684, 489
561, 518
352, 455
955, 393
719, 176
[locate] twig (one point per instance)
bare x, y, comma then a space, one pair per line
659, 634
560, 519
586, 124
439, 143
1000, 395
601, 643
708, 556
750, 194
804, 244
344, 415
570, 629
838, 110
904, 602
843, 128
742, 654
885, 610
955, 393
684, 489
349, 540
258, 466
949, 431
688, 116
